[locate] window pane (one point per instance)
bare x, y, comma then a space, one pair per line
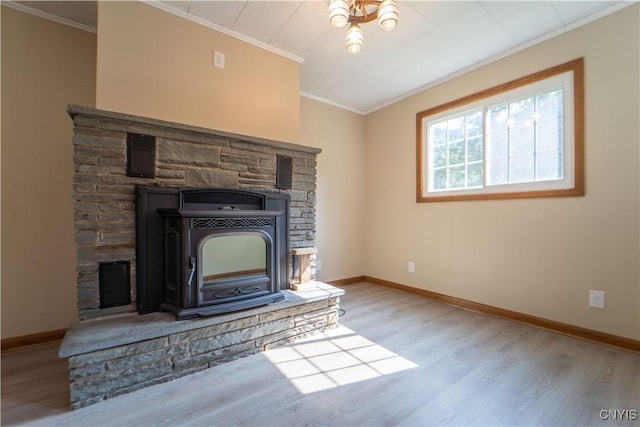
439, 179
549, 134
453, 143
498, 144
549, 165
521, 112
438, 155
456, 153
521, 139
549, 105
474, 124
456, 129
438, 133
456, 177
497, 117
474, 175
521, 168
528, 133
474, 149
498, 171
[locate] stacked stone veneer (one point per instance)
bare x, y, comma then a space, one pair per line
187, 157
104, 363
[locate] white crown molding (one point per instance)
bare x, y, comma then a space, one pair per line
328, 101
44, 15
221, 29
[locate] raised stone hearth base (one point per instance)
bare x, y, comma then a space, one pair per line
121, 354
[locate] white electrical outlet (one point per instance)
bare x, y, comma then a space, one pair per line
596, 299
318, 265
412, 267
218, 59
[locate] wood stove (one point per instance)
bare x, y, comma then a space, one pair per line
210, 251
219, 261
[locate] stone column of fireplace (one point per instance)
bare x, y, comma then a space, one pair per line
186, 157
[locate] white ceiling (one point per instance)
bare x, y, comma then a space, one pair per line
434, 40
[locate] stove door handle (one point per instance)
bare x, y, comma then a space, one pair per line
192, 269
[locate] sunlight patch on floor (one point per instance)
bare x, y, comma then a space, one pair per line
335, 358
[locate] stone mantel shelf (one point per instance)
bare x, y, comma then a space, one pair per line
76, 110
100, 334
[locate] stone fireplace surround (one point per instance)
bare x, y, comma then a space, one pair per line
186, 157
113, 350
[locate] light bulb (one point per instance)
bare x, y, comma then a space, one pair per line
354, 39
388, 15
339, 13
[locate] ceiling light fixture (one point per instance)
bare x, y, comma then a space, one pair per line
355, 12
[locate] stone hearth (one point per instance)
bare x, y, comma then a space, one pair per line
121, 354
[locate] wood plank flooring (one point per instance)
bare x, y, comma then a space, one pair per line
397, 359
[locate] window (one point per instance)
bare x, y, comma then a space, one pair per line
520, 139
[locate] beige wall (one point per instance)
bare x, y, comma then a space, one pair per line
538, 257
154, 64
45, 66
340, 210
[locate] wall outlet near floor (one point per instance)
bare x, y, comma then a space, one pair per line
596, 299
318, 265
411, 267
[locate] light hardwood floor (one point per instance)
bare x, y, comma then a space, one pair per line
397, 359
